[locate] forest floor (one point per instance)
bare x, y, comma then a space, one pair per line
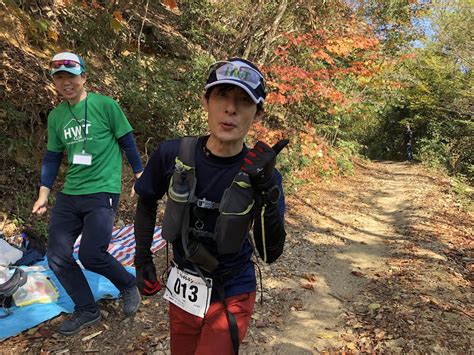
380, 261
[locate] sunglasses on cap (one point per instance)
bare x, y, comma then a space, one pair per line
231, 70
56, 64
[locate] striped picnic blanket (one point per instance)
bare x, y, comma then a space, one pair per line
122, 245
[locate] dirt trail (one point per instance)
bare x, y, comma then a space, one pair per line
340, 285
379, 261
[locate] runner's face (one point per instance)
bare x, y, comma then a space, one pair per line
69, 86
231, 113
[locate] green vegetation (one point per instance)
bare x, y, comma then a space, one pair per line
435, 95
344, 77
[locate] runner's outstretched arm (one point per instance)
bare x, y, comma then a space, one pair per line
270, 239
145, 217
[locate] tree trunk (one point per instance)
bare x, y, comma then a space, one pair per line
271, 35
248, 27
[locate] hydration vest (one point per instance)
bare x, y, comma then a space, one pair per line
235, 211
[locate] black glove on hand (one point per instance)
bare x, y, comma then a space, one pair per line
260, 162
147, 282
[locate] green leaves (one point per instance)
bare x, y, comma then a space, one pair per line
41, 25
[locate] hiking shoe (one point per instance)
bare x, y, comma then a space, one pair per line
131, 300
79, 320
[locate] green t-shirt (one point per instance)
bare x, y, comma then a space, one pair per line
68, 130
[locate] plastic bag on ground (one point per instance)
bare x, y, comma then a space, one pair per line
38, 289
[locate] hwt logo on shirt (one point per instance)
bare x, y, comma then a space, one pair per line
75, 131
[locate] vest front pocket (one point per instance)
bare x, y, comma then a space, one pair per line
236, 216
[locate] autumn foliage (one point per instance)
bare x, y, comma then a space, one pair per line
317, 79
308, 156
311, 65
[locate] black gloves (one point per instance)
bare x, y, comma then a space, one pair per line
147, 282
269, 232
260, 162
145, 216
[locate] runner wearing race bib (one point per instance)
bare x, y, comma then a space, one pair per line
217, 190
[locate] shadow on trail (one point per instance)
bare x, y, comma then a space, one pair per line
415, 311
422, 301
372, 171
288, 348
397, 217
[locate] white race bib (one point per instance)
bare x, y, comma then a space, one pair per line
82, 159
188, 292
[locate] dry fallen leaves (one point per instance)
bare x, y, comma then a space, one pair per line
91, 336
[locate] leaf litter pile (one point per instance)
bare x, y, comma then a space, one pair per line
380, 261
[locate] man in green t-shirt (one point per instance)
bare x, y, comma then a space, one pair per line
92, 129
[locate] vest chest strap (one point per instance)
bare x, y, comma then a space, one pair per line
209, 205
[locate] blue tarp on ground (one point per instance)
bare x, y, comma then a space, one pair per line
27, 317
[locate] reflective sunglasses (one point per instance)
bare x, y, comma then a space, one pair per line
66, 63
230, 70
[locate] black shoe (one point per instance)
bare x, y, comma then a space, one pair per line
131, 300
79, 320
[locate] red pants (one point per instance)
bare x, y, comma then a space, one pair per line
209, 335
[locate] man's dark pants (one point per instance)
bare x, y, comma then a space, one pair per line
93, 216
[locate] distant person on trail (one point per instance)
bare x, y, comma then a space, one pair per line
408, 137
92, 129
216, 187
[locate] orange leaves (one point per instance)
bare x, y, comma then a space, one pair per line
341, 47
260, 132
317, 157
171, 4
345, 46
93, 3
53, 35
118, 15
116, 21
318, 65
411, 55
283, 88
310, 281
320, 54
293, 84
276, 98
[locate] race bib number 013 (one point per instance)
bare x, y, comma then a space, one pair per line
188, 292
